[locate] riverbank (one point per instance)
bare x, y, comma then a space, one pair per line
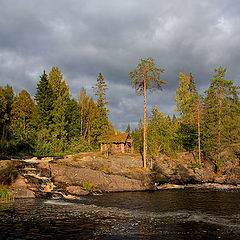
94, 173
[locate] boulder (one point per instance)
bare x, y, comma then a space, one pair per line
182, 175
233, 176
45, 169
76, 190
21, 188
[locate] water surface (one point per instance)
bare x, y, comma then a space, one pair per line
166, 214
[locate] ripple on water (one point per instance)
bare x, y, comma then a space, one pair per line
105, 218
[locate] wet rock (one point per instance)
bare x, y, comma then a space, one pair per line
22, 188
76, 190
170, 186
45, 169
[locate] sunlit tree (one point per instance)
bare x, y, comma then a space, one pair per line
146, 77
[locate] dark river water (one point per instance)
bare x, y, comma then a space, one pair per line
166, 214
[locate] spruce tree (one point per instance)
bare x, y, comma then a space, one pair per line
100, 124
128, 130
44, 102
83, 104
221, 115
59, 112
100, 91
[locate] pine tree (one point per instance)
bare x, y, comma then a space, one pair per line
146, 77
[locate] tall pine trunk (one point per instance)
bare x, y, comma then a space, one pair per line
219, 123
145, 124
199, 135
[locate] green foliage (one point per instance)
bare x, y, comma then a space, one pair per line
187, 102
194, 165
161, 134
6, 100
6, 193
221, 115
128, 130
57, 124
44, 100
100, 91
8, 174
89, 186
146, 77
104, 169
137, 135
146, 69
63, 163
21, 116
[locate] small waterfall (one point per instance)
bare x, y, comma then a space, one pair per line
42, 186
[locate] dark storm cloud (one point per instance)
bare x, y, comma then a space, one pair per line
110, 36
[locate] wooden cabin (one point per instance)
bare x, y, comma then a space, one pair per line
118, 143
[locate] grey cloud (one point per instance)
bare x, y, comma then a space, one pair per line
84, 38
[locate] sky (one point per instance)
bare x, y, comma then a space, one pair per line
84, 38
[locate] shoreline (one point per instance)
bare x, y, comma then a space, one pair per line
200, 186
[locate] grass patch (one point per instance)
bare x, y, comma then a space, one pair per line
6, 193
63, 163
194, 165
90, 187
104, 169
8, 174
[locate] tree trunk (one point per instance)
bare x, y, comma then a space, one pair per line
81, 121
145, 124
199, 135
219, 123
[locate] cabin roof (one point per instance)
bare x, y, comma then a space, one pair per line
117, 138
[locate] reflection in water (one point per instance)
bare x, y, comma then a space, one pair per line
168, 214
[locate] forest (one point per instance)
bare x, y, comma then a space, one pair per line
54, 123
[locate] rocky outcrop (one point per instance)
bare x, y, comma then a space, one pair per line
233, 176
72, 176
85, 173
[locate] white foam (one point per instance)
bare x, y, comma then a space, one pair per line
57, 202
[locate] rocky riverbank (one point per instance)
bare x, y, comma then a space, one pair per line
94, 173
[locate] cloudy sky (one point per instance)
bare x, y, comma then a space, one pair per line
84, 38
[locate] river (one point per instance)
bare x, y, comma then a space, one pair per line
165, 214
